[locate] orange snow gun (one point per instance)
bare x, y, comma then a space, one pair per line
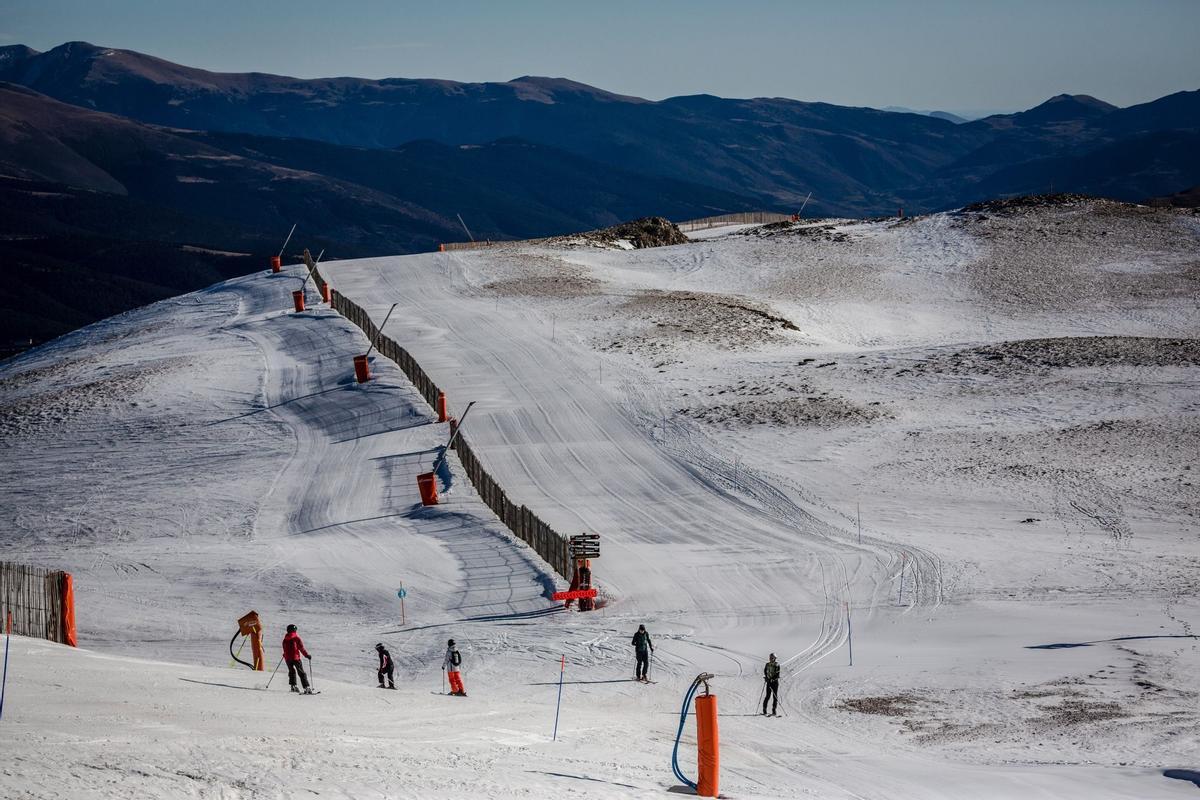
250, 626
707, 739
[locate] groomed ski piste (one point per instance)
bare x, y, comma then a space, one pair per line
1008, 398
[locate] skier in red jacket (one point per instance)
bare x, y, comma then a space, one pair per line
293, 648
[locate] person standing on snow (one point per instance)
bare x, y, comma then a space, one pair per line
771, 676
642, 647
451, 663
385, 666
293, 648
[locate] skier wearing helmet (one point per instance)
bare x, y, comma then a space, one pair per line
293, 648
451, 663
385, 666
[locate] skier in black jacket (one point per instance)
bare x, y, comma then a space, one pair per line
642, 647
771, 676
385, 666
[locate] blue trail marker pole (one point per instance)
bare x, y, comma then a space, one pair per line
849, 635
561, 671
4, 680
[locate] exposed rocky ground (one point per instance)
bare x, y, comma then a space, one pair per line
634, 235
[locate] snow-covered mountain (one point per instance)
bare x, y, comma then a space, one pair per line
1006, 396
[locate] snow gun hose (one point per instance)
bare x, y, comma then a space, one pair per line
707, 739
235, 658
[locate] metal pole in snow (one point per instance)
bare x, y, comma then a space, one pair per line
288, 239
802, 205
561, 672
311, 268
4, 680
403, 617
380, 331
450, 443
849, 634
465, 228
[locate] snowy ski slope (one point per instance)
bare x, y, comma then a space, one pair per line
1022, 591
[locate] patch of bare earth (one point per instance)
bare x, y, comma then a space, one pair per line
634, 235
1076, 711
540, 275
895, 705
672, 319
1081, 253
814, 410
1139, 700
825, 232
1059, 353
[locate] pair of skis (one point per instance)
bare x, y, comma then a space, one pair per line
310, 690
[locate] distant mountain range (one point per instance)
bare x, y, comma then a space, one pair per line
946, 115
226, 162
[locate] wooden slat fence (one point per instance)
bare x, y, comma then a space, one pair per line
525, 525
34, 598
740, 218
471, 245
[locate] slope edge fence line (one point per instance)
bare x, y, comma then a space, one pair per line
548, 543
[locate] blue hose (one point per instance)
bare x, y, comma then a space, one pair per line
687, 702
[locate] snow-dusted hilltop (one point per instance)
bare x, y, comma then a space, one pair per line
1009, 394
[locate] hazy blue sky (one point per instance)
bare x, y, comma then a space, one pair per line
952, 54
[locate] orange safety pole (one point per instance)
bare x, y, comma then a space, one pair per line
68, 610
707, 746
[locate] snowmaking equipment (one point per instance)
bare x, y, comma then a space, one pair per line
707, 739
250, 626
427, 481
298, 295
362, 367
277, 261
583, 548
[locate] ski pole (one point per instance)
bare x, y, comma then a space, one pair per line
443, 678
762, 691
561, 672
277, 666
312, 676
